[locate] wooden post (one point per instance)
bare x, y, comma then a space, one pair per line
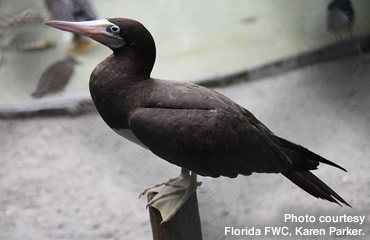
184, 225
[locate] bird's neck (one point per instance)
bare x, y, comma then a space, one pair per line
135, 62
122, 69
113, 79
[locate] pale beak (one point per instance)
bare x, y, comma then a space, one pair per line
96, 30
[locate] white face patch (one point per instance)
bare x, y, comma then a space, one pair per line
129, 135
103, 31
114, 46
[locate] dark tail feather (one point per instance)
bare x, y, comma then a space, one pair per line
314, 186
307, 153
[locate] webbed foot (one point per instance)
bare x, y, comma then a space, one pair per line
171, 195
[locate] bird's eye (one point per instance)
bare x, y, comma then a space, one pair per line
113, 29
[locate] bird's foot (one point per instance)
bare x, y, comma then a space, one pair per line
80, 46
171, 195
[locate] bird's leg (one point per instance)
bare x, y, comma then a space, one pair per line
171, 195
359, 47
340, 37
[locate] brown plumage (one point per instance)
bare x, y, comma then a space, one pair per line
185, 124
55, 77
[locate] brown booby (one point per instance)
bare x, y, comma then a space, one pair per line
55, 78
193, 127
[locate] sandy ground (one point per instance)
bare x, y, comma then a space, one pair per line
73, 178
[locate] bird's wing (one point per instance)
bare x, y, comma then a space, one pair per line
204, 131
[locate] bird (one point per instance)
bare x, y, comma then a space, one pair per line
55, 78
194, 127
73, 10
340, 17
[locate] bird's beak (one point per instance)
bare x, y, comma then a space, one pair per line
96, 29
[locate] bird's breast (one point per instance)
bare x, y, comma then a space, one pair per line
129, 135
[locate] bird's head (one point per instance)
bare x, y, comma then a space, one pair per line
114, 33
126, 37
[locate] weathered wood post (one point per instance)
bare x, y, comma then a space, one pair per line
184, 225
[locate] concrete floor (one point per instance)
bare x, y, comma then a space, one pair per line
71, 177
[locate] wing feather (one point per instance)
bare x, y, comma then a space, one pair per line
210, 142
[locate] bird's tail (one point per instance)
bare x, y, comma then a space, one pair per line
314, 186
303, 158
